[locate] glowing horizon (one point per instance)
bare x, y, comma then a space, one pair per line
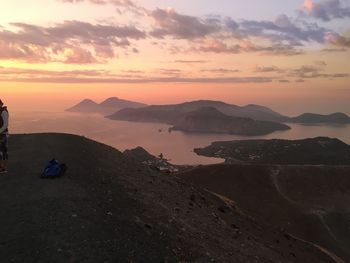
153, 52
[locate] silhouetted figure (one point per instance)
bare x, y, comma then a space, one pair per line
4, 133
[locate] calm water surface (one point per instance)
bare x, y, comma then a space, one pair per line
155, 138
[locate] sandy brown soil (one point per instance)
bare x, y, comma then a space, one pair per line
107, 208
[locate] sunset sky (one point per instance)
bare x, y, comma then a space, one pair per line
291, 55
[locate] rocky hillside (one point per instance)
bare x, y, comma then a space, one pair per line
108, 208
309, 202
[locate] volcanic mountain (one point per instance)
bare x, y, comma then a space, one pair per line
170, 113
108, 106
210, 120
189, 118
108, 208
338, 117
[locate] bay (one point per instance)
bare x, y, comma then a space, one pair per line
154, 137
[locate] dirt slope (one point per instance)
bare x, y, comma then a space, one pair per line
310, 202
109, 209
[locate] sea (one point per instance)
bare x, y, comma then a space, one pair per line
156, 138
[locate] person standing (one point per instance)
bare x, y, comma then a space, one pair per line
4, 133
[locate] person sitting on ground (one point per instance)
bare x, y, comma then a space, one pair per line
4, 123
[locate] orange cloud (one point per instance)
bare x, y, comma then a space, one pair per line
308, 4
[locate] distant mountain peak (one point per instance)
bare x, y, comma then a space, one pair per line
331, 114
88, 101
208, 112
256, 106
340, 114
111, 99
337, 117
206, 103
86, 105
108, 106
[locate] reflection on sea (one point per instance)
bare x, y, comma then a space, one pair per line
155, 138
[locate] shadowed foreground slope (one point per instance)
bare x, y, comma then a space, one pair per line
108, 209
310, 202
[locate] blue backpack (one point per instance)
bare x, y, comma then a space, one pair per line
54, 169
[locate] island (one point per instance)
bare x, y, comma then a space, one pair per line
315, 151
